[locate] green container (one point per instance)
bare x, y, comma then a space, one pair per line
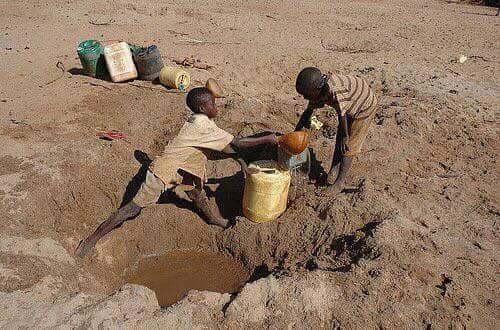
90, 54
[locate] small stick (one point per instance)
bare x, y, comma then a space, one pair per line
373, 149
104, 23
178, 33
98, 85
448, 176
199, 42
60, 66
192, 63
157, 89
346, 49
19, 122
482, 58
190, 40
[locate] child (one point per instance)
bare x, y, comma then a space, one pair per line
355, 104
182, 166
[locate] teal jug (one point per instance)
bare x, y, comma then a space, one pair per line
90, 54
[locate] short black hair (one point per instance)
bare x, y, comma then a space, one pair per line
310, 81
197, 97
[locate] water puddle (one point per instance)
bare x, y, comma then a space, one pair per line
172, 275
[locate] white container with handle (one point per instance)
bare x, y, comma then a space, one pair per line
119, 61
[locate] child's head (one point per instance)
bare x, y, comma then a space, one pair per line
312, 84
201, 100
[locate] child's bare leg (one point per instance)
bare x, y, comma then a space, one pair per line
336, 160
200, 200
124, 213
345, 165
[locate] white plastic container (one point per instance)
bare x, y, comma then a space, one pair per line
119, 61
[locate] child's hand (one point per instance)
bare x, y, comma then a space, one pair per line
317, 104
245, 169
275, 138
251, 170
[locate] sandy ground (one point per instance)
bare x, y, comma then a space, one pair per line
412, 242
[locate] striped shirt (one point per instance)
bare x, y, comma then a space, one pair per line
354, 95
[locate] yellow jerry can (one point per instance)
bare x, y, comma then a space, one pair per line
175, 77
266, 192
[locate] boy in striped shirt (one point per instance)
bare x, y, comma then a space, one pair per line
355, 104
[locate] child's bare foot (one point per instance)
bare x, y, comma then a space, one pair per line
332, 175
221, 222
335, 189
213, 217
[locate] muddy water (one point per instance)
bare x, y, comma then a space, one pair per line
172, 275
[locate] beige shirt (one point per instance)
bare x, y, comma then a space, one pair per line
354, 95
185, 151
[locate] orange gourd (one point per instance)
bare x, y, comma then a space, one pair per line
213, 86
294, 143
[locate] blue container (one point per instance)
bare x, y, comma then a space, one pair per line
295, 163
148, 62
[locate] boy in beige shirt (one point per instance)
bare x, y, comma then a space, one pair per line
182, 166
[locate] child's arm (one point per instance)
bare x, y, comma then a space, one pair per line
229, 150
345, 132
305, 118
247, 142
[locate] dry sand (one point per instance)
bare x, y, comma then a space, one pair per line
412, 243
